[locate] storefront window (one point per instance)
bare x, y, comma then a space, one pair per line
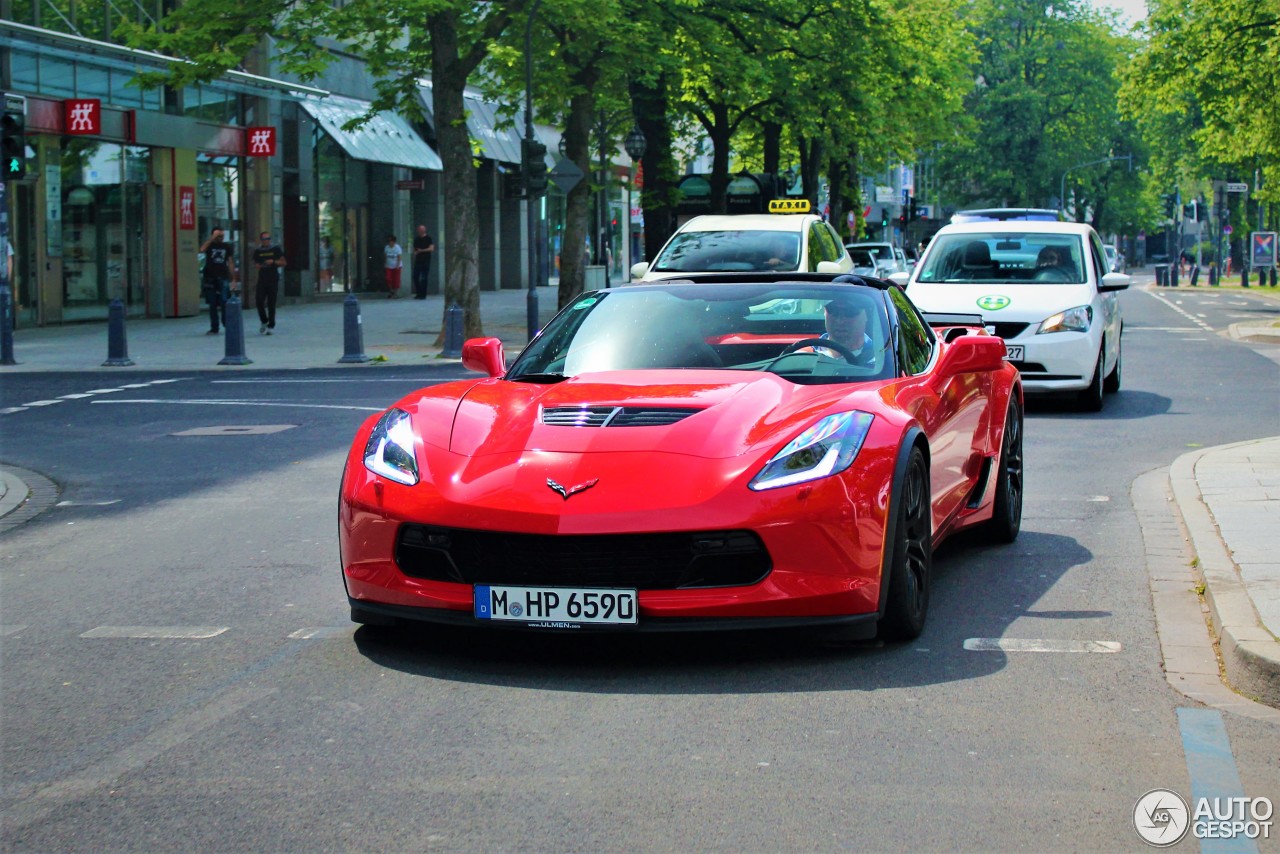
104, 233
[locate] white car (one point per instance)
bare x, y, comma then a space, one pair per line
889, 259
1044, 287
741, 243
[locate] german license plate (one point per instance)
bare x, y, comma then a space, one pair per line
555, 607
1013, 352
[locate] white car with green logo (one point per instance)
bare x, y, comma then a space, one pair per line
1044, 287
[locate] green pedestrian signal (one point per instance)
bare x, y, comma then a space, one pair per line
13, 144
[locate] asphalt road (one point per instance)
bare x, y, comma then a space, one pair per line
255, 718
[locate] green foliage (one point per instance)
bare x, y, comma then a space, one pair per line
1206, 89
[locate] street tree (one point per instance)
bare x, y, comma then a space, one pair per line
401, 44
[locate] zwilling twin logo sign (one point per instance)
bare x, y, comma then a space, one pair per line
82, 116
260, 141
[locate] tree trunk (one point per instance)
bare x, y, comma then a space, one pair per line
651, 107
720, 139
771, 134
573, 248
462, 243
836, 179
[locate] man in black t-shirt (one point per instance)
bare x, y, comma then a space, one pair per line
219, 277
268, 258
424, 249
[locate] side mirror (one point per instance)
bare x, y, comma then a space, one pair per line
900, 278
830, 268
972, 353
1115, 282
638, 270
485, 356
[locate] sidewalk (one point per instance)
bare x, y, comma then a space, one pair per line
307, 335
1228, 497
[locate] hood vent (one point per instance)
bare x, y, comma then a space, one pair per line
614, 416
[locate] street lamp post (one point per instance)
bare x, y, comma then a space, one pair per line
530, 198
1062, 186
636, 145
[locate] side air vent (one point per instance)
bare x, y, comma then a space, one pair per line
614, 416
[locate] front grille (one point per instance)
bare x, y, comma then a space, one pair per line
1007, 330
614, 416
666, 561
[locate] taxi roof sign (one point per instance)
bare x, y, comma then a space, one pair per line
789, 206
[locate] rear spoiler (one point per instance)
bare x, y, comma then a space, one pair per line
935, 319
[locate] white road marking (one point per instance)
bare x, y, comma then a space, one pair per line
361, 381
1128, 329
42, 403
1178, 308
5, 631
157, 632
321, 632
241, 403
87, 503
1038, 645
237, 430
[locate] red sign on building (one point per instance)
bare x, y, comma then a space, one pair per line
82, 116
260, 141
186, 208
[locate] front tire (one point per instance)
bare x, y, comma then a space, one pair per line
1006, 517
1091, 398
1112, 383
908, 599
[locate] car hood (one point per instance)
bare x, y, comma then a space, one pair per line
709, 414
1029, 303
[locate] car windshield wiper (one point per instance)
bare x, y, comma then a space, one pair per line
548, 378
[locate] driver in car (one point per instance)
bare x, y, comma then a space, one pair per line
847, 325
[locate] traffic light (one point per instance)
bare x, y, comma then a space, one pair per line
915, 209
535, 165
1170, 201
13, 144
884, 217
1191, 212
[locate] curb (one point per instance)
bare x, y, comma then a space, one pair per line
27, 494
1250, 653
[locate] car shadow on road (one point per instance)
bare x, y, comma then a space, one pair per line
1118, 406
978, 591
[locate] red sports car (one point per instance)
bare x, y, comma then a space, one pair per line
761, 450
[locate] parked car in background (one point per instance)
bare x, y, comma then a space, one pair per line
1114, 258
885, 255
864, 262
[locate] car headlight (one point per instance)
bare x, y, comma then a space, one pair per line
826, 448
389, 451
1072, 320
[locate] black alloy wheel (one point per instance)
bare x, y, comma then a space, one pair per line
908, 601
1006, 517
1091, 398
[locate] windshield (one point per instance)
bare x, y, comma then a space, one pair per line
733, 327
862, 258
882, 251
1027, 257
730, 252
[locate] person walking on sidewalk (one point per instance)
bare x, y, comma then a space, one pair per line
424, 249
220, 277
395, 263
268, 258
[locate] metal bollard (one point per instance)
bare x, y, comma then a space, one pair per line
6, 324
1273, 275
234, 322
117, 342
1195, 275
1161, 272
1213, 275
453, 331
352, 332
1244, 275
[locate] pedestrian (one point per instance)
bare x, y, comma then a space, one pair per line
268, 258
395, 263
424, 249
325, 254
220, 277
